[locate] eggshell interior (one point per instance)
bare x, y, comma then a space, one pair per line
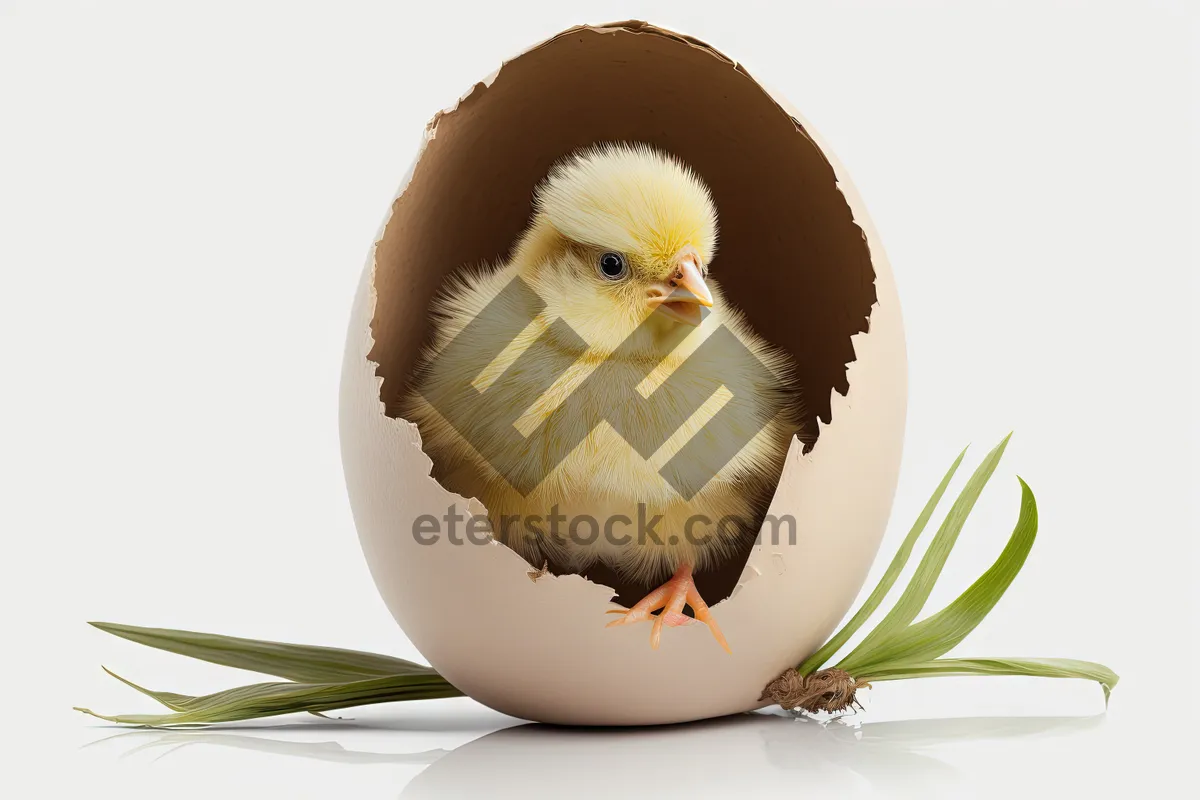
797, 254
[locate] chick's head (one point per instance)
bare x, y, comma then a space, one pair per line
621, 232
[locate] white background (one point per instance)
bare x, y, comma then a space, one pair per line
187, 193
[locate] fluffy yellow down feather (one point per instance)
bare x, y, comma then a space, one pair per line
645, 206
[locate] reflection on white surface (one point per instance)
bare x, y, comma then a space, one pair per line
750, 753
168, 742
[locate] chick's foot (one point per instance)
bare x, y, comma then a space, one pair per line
671, 597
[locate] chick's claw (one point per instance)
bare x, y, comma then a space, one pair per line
671, 597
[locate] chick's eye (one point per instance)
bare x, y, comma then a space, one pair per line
612, 266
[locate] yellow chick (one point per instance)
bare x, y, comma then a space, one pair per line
614, 293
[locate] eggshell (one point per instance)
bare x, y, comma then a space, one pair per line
798, 255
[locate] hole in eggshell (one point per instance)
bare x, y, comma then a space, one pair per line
790, 255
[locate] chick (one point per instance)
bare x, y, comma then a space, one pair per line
618, 249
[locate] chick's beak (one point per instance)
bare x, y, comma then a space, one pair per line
682, 294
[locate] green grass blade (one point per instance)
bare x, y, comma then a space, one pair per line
272, 699
818, 659
936, 635
294, 662
912, 600
173, 701
1033, 667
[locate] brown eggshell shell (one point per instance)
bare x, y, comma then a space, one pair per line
798, 254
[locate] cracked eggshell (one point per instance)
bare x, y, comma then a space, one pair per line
798, 255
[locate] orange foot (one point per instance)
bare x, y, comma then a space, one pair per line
671, 597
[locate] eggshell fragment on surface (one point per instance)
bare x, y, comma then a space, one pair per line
797, 255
